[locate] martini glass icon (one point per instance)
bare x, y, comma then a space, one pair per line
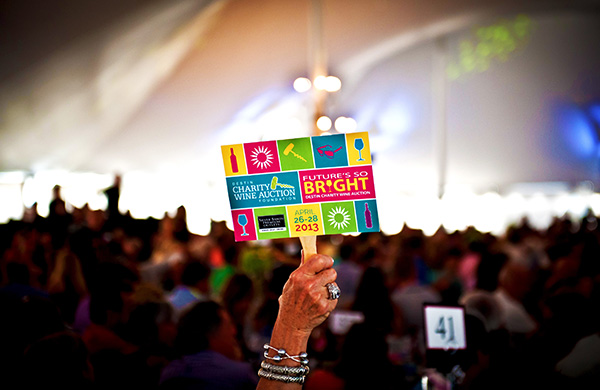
243, 221
359, 145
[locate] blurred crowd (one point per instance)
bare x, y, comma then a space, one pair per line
97, 299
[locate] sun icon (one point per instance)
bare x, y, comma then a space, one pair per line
339, 218
261, 157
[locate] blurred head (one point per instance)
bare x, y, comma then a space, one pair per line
238, 295
17, 273
58, 360
515, 279
196, 274
207, 326
56, 192
373, 299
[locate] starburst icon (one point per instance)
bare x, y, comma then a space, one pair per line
339, 218
261, 157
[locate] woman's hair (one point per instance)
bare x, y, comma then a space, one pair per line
196, 326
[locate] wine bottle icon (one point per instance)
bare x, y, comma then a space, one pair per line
233, 160
368, 219
359, 145
243, 221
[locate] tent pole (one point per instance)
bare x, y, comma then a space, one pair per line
318, 59
440, 129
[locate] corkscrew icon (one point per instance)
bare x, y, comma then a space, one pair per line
289, 150
274, 184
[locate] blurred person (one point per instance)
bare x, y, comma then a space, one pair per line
116, 360
167, 253
349, 274
181, 231
25, 320
367, 339
582, 363
150, 327
90, 244
514, 282
66, 283
446, 280
21, 250
237, 298
373, 300
194, 287
409, 295
209, 353
113, 194
59, 360
59, 219
18, 282
265, 315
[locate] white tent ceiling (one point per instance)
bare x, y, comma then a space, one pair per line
157, 86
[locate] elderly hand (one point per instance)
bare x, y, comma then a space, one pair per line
303, 305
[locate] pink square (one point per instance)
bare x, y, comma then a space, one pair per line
243, 225
262, 157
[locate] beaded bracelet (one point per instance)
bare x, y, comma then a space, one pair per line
285, 370
302, 358
281, 378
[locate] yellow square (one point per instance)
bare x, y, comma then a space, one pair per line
359, 150
305, 220
233, 159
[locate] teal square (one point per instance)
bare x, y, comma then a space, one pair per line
367, 217
330, 151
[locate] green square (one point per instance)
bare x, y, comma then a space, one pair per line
339, 217
299, 154
273, 213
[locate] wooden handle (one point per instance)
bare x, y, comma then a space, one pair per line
309, 247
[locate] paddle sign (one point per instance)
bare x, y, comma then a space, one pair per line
301, 187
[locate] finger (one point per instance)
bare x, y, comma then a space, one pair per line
326, 276
316, 264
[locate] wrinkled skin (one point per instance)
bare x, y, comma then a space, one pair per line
303, 305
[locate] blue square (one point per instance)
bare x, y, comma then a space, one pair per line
330, 151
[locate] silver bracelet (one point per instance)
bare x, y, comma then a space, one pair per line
285, 370
302, 358
281, 378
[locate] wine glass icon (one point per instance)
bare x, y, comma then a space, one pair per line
359, 145
243, 221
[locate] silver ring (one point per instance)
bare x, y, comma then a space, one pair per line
334, 291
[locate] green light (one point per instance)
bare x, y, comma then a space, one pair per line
483, 49
490, 43
453, 71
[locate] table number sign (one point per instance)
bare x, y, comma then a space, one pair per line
445, 327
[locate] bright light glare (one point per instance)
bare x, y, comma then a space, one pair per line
302, 84
594, 201
12, 203
150, 195
324, 123
332, 84
320, 83
489, 215
539, 211
345, 125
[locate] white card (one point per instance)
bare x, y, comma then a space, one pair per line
445, 327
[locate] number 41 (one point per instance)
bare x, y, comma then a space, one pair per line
441, 328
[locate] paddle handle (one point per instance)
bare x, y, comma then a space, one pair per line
309, 247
